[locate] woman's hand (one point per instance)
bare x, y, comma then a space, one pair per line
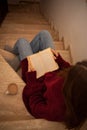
55, 53
31, 68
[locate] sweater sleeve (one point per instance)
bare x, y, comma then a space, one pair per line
35, 101
33, 97
62, 63
36, 104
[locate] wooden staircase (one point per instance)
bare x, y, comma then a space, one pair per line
22, 21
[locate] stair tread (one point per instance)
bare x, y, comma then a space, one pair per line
25, 18
59, 45
3, 76
25, 26
20, 30
33, 124
12, 38
8, 37
27, 22
11, 42
25, 15
8, 103
24, 8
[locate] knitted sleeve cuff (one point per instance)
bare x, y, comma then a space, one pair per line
31, 76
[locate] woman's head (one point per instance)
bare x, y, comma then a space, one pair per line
75, 92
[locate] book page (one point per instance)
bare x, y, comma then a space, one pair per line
37, 64
43, 62
48, 60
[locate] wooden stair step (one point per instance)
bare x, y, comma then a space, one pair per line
24, 8
10, 104
12, 38
12, 75
26, 27
24, 15
59, 45
6, 115
26, 21
20, 30
7, 37
11, 43
33, 124
29, 18
26, 11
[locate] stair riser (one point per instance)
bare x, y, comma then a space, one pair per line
24, 15
20, 31
25, 22
26, 27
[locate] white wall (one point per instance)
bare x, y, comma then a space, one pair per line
70, 18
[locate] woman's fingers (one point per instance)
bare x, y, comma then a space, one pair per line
55, 53
31, 68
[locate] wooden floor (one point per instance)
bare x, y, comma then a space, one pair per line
22, 21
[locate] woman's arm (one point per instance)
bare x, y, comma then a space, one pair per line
37, 104
60, 61
33, 96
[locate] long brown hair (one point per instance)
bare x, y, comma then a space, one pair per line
75, 93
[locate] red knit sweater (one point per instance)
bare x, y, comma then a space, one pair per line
43, 97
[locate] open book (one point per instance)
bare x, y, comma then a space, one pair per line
43, 62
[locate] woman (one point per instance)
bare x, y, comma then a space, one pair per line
59, 95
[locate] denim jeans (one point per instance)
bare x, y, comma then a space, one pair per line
42, 40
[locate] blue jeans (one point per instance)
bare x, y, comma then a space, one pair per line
42, 40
